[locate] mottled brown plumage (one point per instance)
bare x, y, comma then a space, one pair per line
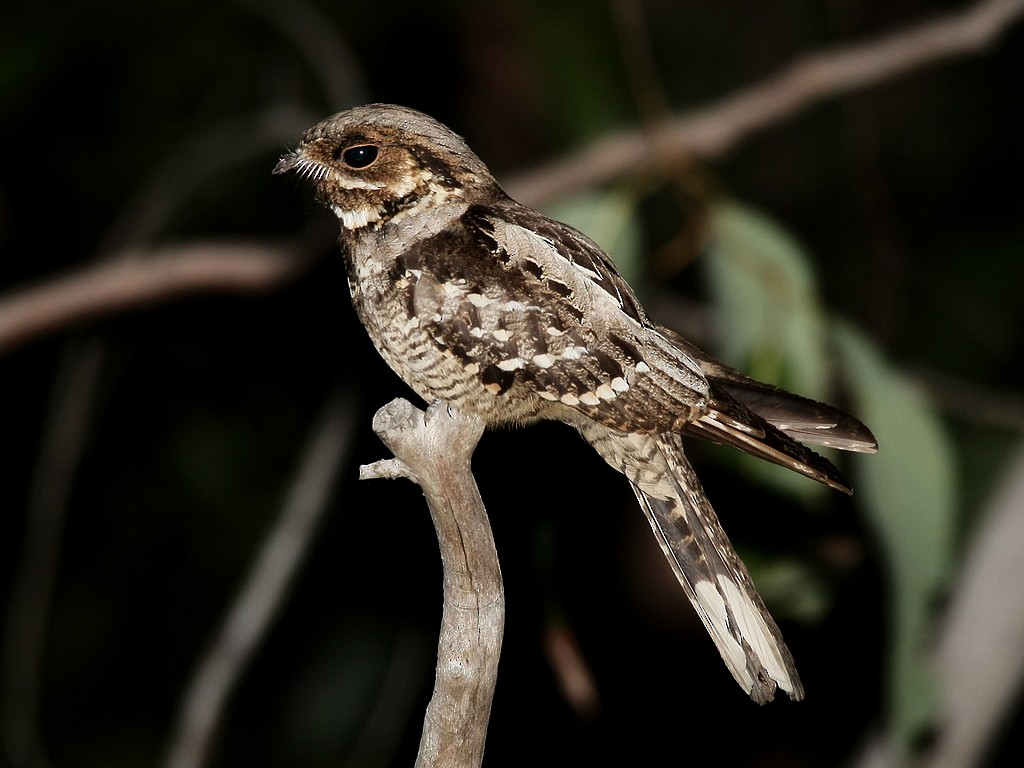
478, 301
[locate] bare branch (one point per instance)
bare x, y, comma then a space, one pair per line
265, 587
24, 638
437, 448
708, 131
573, 674
386, 469
712, 130
979, 647
980, 655
133, 280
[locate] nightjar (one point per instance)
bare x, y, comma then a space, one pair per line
509, 316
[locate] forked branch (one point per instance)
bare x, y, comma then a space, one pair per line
434, 450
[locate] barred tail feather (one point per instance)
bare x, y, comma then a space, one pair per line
717, 582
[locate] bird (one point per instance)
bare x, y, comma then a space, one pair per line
511, 317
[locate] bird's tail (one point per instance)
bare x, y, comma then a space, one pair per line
716, 581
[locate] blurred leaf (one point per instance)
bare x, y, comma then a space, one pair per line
608, 217
909, 491
583, 83
792, 588
767, 315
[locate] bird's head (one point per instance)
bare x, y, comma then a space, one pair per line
373, 163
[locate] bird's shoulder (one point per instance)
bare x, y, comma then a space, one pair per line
525, 301
552, 254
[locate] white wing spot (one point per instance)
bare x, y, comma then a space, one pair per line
589, 398
513, 364
605, 392
501, 335
643, 367
570, 399
619, 384
472, 369
544, 360
574, 353
453, 290
556, 332
479, 300
547, 396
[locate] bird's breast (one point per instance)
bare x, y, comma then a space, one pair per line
409, 317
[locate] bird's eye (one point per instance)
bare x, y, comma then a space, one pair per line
359, 156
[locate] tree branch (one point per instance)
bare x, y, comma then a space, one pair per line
979, 656
135, 280
266, 586
712, 130
436, 448
708, 131
61, 446
978, 645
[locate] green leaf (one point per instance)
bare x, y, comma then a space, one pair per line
791, 588
608, 217
909, 492
767, 314
768, 317
582, 87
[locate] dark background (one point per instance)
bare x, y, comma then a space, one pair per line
141, 125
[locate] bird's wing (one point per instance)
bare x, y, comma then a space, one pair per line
550, 314
534, 309
717, 583
727, 421
799, 417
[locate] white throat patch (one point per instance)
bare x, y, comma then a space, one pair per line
357, 219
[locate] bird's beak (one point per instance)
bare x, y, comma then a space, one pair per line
287, 162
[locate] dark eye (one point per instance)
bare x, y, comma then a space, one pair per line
359, 156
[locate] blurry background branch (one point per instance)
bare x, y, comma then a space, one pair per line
67, 422
978, 653
133, 281
184, 420
712, 130
264, 590
707, 131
